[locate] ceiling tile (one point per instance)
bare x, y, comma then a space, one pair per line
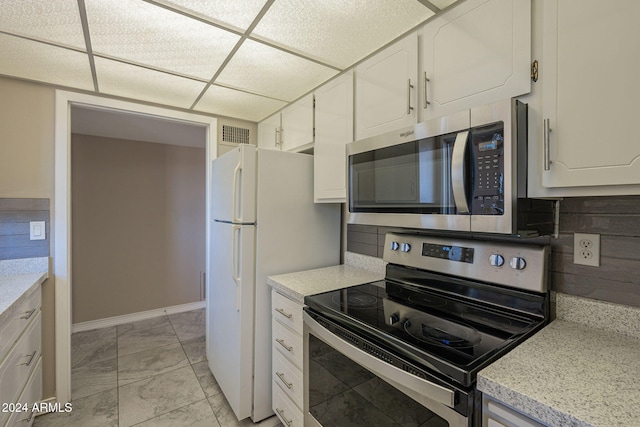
130, 81
441, 4
45, 63
271, 72
234, 103
143, 33
52, 20
238, 14
336, 32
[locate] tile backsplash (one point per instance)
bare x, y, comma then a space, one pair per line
15, 215
616, 219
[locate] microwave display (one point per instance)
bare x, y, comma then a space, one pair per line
488, 150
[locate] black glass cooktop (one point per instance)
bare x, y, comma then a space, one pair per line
452, 337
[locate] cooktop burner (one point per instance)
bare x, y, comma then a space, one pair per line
355, 300
432, 330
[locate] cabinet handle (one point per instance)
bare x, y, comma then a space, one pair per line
28, 419
545, 142
426, 98
31, 357
28, 314
281, 413
277, 137
287, 383
281, 342
409, 87
284, 313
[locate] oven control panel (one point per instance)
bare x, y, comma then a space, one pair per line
504, 263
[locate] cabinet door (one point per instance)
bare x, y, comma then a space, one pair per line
269, 132
334, 129
477, 53
590, 93
297, 124
386, 89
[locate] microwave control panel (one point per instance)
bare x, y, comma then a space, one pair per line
488, 158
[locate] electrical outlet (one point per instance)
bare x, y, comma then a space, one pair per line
586, 249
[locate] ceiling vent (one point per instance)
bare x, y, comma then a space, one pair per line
235, 135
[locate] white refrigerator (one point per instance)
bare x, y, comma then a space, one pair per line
264, 222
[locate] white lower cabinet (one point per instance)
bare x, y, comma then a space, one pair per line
20, 362
498, 414
287, 352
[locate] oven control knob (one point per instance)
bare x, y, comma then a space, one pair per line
518, 263
395, 246
496, 260
405, 247
394, 318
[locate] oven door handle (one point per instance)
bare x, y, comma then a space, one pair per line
457, 172
388, 372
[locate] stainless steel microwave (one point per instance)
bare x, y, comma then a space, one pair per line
464, 172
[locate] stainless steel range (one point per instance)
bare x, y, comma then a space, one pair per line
406, 350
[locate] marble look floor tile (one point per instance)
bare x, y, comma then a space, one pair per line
97, 410
196, 350
94, 377
223, 412
158, 395
147, 363
189, 325
93, 346
197, 414
207, 381
143, 325
135, 341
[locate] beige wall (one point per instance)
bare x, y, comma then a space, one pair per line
138, 226
26, 171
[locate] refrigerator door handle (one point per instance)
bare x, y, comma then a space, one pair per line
236, 249
237, 172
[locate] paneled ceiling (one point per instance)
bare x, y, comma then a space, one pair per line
237, 58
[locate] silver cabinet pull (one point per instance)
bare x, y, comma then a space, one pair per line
281, 342
27, 314
281, 413
31, 357
277, 134
287, 383
409, 87
545, 144
284, 313
426, 98
28, 419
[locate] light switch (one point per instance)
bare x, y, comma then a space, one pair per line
37, 230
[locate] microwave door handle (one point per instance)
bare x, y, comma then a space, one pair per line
457, 172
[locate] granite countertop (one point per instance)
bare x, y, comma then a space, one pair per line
298, 285
15, 288
570, 374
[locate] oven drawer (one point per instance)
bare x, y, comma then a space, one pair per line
288, 343
287, 312
288, 377
289, 414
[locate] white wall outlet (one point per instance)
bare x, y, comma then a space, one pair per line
37, 230
586, 249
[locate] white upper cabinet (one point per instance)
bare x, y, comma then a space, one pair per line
297, 125
269, 132
334, 129
591, 62
477, 53
386, 89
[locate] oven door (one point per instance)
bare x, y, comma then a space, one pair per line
347, 386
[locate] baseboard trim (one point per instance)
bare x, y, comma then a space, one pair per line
134, 317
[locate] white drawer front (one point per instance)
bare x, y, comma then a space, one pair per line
288, 343
287, 312
288, 413
17, 366
286, 375
32, 394
17, 321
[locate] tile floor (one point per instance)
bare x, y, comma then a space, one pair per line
148, 373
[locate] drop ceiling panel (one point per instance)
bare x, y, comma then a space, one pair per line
116, 78
45, 63
143, 33
271, 72
237, 14
234, 103
337, 32
57, 21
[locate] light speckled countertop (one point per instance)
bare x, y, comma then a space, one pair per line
570, 374
298, 285
14, 289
